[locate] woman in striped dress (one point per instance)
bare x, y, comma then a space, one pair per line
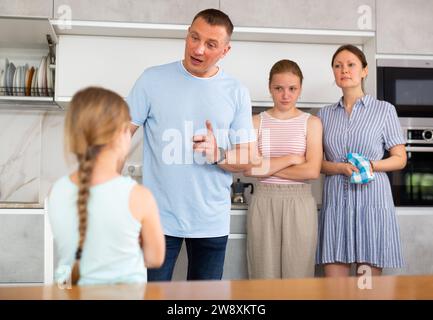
357, 224
282, 217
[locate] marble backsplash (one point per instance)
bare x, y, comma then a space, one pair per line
20, 157
32, 154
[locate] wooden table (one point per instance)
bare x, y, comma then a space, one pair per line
385, 287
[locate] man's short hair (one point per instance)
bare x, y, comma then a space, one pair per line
216, 17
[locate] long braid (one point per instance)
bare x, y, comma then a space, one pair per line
85, 169
94, 117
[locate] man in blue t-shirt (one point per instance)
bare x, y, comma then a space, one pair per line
197, 129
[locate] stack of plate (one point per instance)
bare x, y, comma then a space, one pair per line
27, 81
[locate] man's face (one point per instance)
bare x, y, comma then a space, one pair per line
204, 46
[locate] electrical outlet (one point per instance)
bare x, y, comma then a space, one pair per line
132, 170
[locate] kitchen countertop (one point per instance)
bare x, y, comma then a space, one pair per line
21, 205
234, 206
239, 206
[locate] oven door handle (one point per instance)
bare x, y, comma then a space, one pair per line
419, 149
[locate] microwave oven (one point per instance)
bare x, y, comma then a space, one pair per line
413, 185
408, 85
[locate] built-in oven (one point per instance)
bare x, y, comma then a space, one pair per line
413, 186
408, 85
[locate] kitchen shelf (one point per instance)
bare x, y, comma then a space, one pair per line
33, 103
147, 30
25, 40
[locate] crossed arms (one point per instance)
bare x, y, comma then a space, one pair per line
291, 166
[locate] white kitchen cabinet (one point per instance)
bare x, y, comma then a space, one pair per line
26, 8
116, 63
251, 62
416, 225
26, 247
111, 62
302, 14
167, 11
235, 265
405, 27
29, 42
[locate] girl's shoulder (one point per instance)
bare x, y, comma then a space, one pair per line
314, 121
140, 201
64, 182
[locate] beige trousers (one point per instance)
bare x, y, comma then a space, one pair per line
281, 231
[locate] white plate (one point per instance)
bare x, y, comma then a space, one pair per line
41, 76
5, 74
24, 74
6, 80
49, 77
10, 78
17, 81
45, 77
2, 72
14, 81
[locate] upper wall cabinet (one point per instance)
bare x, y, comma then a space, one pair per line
27, 63
111, 62
348, 23
162, 11
26, 8
405, 27
117, 62
302, 14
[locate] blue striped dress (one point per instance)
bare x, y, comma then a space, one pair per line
357, 222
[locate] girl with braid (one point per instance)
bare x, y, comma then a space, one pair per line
106, 227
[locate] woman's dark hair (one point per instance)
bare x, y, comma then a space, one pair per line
353, 49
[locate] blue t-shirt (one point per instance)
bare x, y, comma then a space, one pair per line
193, 197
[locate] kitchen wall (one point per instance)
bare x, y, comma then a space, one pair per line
31, 142
20, 156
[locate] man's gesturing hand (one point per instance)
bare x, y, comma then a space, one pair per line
206, 144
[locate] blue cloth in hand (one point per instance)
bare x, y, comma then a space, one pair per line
364, 175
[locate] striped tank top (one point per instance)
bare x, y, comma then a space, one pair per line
277, 138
